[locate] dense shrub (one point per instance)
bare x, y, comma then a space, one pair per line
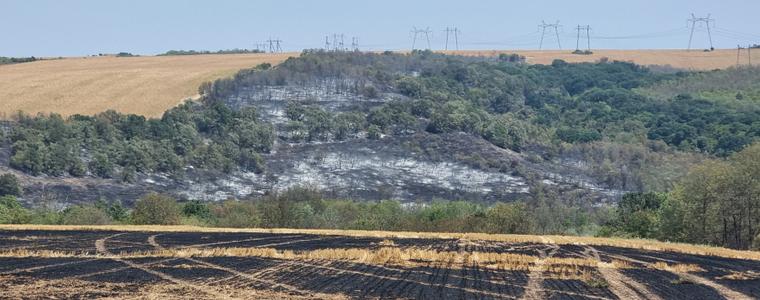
235, 214
85, 215
156, 209
11, 211
9, 185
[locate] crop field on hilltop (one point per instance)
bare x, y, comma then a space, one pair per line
150, 85
681, 59
187, 262
140, 85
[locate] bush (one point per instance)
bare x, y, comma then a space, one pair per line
85, 215
508, 218
11, 211
9, 185
236, 214
373, 133
156, 209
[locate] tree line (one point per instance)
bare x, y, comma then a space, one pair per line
16, 60
717, 203
113, 145
201, 52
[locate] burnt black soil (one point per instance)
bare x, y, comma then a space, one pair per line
352, 279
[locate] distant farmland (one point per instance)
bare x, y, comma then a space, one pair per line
150, 85
140, 85
682, 59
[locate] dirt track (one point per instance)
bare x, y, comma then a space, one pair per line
106, 266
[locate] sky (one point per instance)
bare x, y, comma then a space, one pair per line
48, 28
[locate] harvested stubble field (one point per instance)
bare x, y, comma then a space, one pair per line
202, 263
141, 85
681, 59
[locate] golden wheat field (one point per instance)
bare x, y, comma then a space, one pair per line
140, 85
152, 84
682, 59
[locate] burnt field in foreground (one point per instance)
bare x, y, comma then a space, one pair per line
132, 264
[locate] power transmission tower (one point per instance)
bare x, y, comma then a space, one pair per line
327, 43
543, 26
417, 32
739, 49
275, 46
355, 43
259, 48
580, 28
702, 20
455, 32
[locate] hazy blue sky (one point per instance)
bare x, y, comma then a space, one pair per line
82, 27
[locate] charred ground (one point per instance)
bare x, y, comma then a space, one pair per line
125, 264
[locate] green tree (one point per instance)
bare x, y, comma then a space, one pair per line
373, 132
85, 215
508, 218
197, 209
235, 214
156, 209
11, 211
9, 185
638, 213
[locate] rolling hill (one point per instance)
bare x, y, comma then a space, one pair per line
150, 85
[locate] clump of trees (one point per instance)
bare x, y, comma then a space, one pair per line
717, 203
301, 207
510, 104
561, 102
194, 52
16, 60
112, 145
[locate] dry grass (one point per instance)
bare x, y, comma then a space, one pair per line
616, 264
140, 85
24, 287
740, 276
509, 238
407, 257
25, 253
682, 59
676, 268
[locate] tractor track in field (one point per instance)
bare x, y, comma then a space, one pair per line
100, 245
107, 264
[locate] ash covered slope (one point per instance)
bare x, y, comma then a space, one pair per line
360, 126
376, 126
